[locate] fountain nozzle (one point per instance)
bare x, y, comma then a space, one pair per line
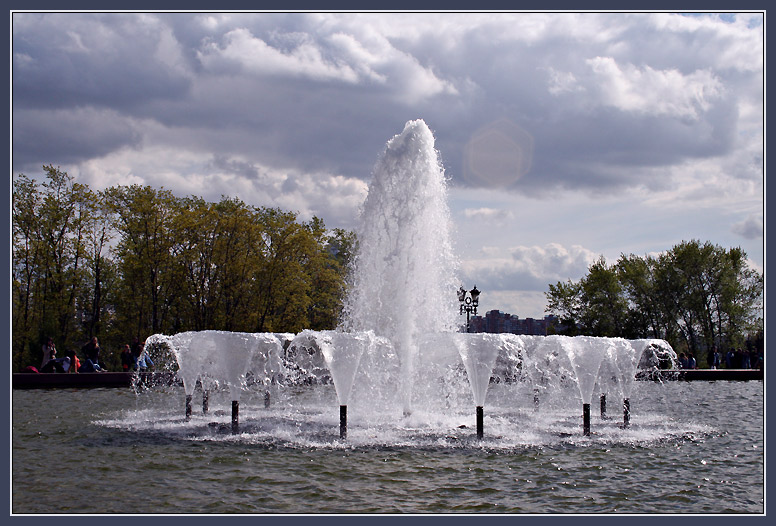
343, 422
586, 419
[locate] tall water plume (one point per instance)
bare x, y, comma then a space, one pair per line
403, 279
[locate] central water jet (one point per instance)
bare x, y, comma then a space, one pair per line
403, 283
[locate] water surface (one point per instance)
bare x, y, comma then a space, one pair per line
693, 447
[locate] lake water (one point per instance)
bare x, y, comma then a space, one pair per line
692, 447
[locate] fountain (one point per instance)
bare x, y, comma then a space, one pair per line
397, 356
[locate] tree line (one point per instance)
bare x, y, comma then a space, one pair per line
131, 261
695, 296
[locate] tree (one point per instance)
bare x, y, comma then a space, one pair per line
27, 250
49, 222
564, 301
326, 268
150, 285
695, 296
133, 260
605, 305
281, 285
217, 250
98, 234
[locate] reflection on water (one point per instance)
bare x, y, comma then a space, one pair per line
692, 447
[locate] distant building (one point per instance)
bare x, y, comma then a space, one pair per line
496, 321
477, 324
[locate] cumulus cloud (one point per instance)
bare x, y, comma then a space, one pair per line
488, 215
332, 197
352, 57
650, 91
304, 58
750, 228
562, 82
528, 267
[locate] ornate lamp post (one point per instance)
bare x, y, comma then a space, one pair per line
469, 303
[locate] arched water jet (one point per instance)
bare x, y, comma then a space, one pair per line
342, 354
213, 357
207, 383
624, 360
585, 354
607, 382
545, 364
478, 353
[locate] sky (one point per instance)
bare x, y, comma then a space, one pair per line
565, 137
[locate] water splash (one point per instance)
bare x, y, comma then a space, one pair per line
341, 352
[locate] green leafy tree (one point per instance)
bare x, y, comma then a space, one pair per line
695, 296
217, 250
133, 260
49, 224
27, 256
605, 308
280, 284
326, 268
99, 232
564, 301
150, 286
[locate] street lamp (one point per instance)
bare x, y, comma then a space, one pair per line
469, 303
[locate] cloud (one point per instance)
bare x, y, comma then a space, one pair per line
562, 82
750, 228
69, 136
114, 61
650, 91
528, 268
253, 55
488, 215
325, 53
591, 99
332, 197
